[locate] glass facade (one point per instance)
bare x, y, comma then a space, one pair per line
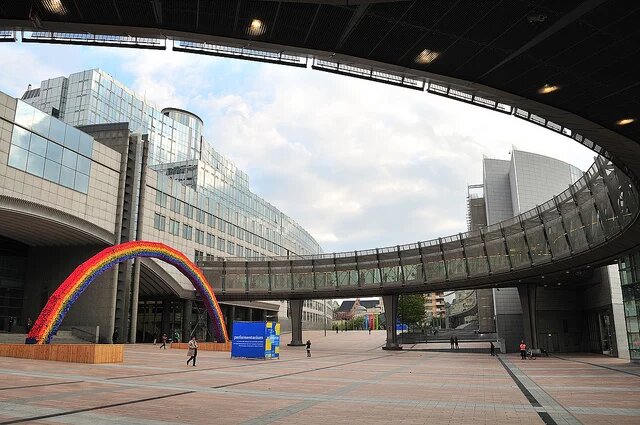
211, 187
629, 267
48, 148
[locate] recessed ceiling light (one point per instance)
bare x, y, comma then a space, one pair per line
55, 6
625, 121
548, 88
256, 27
426, 56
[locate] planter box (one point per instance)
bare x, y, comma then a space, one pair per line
73, 353
204, 346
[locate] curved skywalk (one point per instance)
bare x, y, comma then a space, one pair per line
577, 228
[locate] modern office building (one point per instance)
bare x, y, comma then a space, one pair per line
582, 313
92, 165
629, 267
434, 306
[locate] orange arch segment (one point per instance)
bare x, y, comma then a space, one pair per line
68, 292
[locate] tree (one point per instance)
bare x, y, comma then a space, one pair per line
411, 309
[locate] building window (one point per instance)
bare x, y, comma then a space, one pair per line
239, 250
221, 243
188, 210
59, 158
161, 199
221, 225
159, 222
211, 240
211, 220
200, 216
187, 232
174, 227
174, 205
199, 236
199, 255
231, 248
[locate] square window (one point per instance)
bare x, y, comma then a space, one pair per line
57, 130
82, 183
52, 171
67, 177
41, 122
54, 152
24, 115
38, 145
69, 159
72, 138
86, 145
35, 164
20, 137
84, 165
18, 157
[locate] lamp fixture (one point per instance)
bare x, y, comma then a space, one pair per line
55, 6
426, 56
256, 27
625, 121
548, 88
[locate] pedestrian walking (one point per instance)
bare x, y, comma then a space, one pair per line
11, 322
523, 350
308, 348
164, 341
455, 341
451, 341
493, 349
192, 352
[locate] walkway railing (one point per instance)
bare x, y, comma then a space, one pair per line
598, 207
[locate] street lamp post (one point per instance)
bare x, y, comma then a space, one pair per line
324, 302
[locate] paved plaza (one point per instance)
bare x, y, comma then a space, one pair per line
348, 380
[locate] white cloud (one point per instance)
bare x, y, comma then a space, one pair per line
358, 164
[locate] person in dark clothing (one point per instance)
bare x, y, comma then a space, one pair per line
10, 323
451, 342
308, 348
455, 341
114, 338
29, 324
493, 349
164, 341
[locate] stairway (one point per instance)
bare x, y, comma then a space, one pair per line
62, 337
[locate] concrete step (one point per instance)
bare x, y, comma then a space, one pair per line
63, 337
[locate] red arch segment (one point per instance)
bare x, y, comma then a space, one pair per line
68, 292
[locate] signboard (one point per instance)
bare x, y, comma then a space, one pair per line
256, 340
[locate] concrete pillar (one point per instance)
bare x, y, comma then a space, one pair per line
391, 315
527, 294
251, 319
187, 308
296, 322
135, 290
165, 320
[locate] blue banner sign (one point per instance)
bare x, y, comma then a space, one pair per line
256, 340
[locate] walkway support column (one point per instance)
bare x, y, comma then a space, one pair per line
295, 312
527, 294
391, 315
187, 310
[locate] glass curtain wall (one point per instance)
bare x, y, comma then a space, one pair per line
629, 267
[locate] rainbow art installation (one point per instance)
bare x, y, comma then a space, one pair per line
68, 292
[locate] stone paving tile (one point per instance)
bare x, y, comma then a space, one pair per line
348, 380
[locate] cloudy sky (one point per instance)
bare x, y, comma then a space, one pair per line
358, 164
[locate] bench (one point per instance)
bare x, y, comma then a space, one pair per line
535, 352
